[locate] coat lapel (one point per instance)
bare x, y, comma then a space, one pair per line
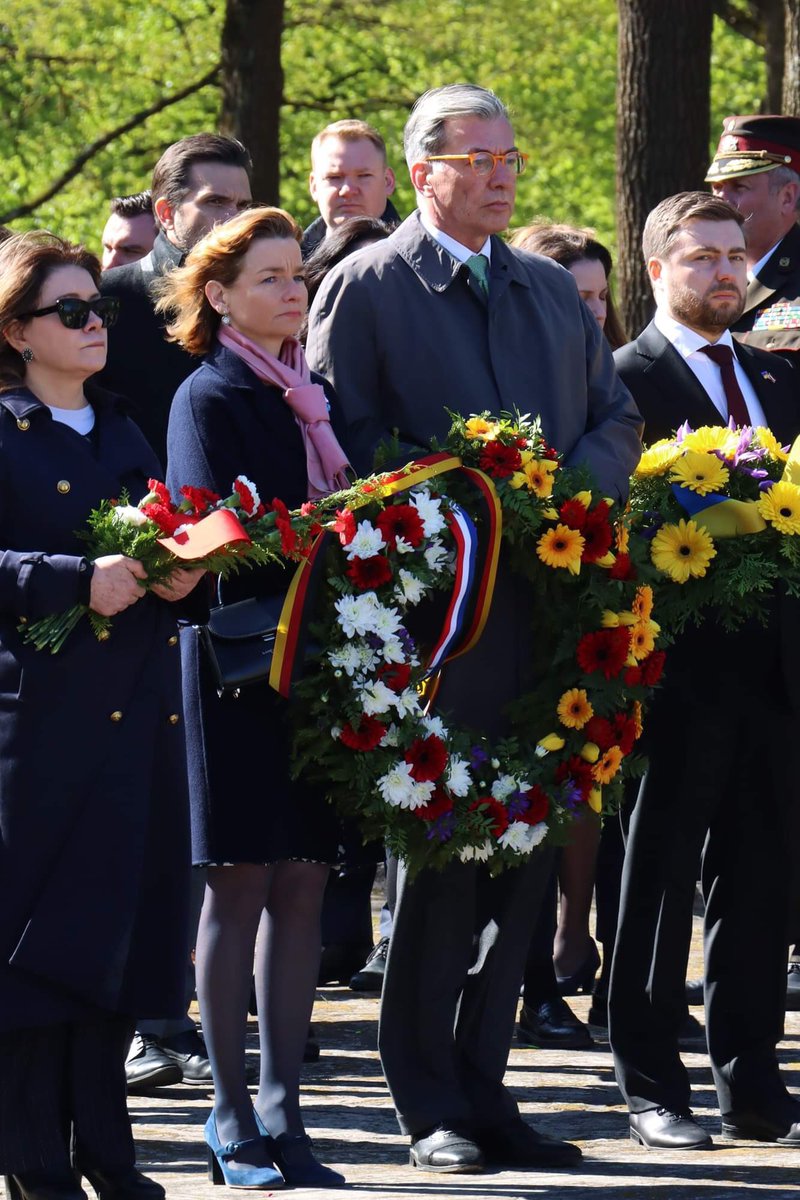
667, 371
780, 419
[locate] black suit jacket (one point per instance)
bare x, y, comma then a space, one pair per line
667, 393
770, 317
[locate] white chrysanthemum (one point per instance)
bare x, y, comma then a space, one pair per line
423, 793
347, 658
436, 555
517, 837
397, 787
391, 737
407, 702
459, 779
129, 514
367, 542
377, 698
393, 650
477, 853
367, 657
539, 832
436, 725
503, 787
413, 589
386, 621
402, 546
357, 613
430, 512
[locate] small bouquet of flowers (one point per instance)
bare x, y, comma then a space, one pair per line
718, 510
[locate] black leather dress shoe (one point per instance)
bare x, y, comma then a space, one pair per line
793, 987
125, 1184
553, 1024
44, 1185
188, 1050
782, 1128
520, 1145
370, 977
660, 1129
447, 1151
148, 1067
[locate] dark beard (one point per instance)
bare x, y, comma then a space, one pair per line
699, 313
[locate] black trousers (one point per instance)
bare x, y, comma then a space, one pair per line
63, 1091
716, 799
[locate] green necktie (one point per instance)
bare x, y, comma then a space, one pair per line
478, 266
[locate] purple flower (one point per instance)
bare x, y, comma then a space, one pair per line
477, 757
518, 805
442, 828
571, 795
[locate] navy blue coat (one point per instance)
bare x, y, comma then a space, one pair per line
93, 808
225, 422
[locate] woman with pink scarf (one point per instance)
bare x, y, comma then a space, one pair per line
252, 408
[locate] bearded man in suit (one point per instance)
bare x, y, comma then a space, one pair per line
720, 784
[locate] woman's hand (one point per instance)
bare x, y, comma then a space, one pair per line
179, 583
114, 584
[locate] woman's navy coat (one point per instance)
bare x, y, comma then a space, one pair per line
93, 807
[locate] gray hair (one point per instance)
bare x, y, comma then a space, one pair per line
780, 177
424, 133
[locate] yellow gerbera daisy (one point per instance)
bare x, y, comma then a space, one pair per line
574, 709
643, 639
561, 547
712, 437
536, 476
658, 458
479, 427
682, 551
605, 770
770, 443
622, 539
700, 472
781, 507
642, 605
636, 717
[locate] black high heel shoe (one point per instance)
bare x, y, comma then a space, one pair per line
44, 1185
124, 1184
581, 980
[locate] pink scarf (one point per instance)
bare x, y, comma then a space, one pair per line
326, 461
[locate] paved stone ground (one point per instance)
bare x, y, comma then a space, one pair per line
571, 1094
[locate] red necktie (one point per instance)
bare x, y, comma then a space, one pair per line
737, 406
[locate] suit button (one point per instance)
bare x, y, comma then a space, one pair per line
116, 715
63, 486
172, 641
173, 718
23, 423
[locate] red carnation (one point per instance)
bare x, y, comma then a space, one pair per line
366, 737
396, 676
623, 568
652, 667
280, 509
538, 807
604, 651
497, 812
289, 539
165, 517
600, 731
247, 500
439, 804
401, 521
200, 498
499, 460
367, 573
597, 534
162, 491
573, 514
579, 771
632, 676
625, 728
427, 758
345, 526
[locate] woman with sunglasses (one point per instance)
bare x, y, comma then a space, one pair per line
93, 838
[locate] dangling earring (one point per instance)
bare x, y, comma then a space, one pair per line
27, 355
226, 319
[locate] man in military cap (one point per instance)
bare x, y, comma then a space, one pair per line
757, 169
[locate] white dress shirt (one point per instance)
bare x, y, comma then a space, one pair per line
460, 253
689, 345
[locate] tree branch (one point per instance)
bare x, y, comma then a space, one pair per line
80, 161
748, 22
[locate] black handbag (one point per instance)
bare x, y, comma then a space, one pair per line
239, 640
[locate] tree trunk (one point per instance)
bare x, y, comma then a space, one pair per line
252, 87
791, 74
663, 84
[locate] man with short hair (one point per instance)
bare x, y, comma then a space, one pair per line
198, 182
350, 177
130, 230
720, 784
443, 313
757, 169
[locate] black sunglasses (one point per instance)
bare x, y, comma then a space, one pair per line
74, 313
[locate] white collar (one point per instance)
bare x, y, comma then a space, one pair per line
685, 340
460, 253
762, 262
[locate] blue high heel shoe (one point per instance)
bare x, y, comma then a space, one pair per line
296, 1163
222, 1169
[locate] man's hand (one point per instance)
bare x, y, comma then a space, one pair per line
114, 584
179, 583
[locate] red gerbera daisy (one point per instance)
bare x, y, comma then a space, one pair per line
632, 676
573, 514
538, 807
652, 667
604, 651
427, 758
439, 804
497, 812
579, 771
597, 534
499, 460
600, 731
623, 568
625, 728
366, 737
396, 676
371, 572
401, 521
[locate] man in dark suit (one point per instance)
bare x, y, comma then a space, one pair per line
757, 169
719, 735
198, 182
444, 314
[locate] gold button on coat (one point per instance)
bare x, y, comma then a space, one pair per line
23, 423
116, 715
173, 718
173, 641
63, 486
